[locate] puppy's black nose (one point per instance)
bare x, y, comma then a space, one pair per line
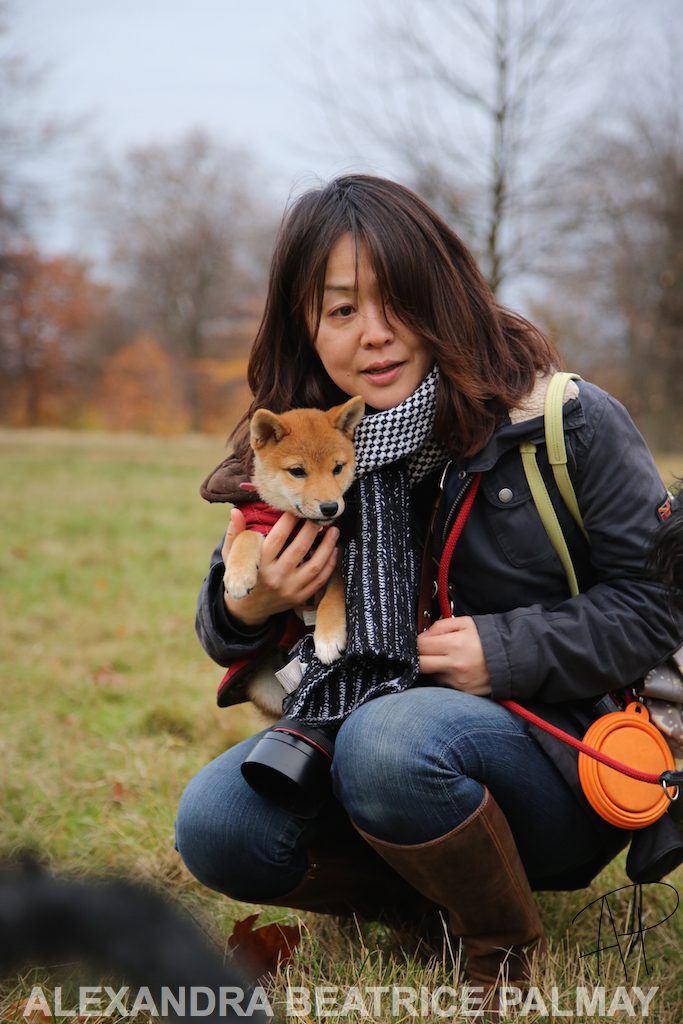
328, 509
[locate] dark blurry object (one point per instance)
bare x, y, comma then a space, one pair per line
666, 554
664, 684
118, 926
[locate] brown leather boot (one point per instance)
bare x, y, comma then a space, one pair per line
345, 877
475, 872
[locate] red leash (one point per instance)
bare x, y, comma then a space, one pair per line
579, 744
445, 563
447, 613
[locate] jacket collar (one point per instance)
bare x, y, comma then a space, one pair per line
510, 435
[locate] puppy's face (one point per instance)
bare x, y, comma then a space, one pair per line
304, 459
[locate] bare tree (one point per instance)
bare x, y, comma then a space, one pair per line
616, 284
25, 135
519, 45
477, 95
47, 306
189, 230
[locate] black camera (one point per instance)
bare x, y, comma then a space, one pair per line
290, 766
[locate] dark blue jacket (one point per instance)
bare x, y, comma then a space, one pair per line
538, 641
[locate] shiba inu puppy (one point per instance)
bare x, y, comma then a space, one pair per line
303, 463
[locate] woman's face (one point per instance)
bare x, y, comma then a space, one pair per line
363, 351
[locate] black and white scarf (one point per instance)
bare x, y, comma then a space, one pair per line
394, 451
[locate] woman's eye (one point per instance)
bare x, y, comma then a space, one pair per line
297, 471
338, 468
342, 311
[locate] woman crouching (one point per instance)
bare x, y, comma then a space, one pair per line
443, 799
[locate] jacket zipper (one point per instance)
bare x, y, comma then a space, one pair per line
453, 510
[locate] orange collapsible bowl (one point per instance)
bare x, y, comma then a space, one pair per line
629, 737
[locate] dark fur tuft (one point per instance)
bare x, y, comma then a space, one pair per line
117, 927
665, 560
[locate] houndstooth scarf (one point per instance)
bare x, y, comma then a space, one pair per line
394, 451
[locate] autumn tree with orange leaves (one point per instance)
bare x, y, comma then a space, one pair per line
48, 314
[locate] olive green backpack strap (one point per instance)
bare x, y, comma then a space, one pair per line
557, 456
554, 439
551, 523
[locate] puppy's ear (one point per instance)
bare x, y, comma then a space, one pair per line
266, 426
346, 417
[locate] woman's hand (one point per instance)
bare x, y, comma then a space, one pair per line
451, 651
284, 579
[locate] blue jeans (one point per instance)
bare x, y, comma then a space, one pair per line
408, 768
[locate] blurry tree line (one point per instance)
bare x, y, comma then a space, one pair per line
162, 346
573, 204
556, 151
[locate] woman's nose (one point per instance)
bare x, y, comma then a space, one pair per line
376, 328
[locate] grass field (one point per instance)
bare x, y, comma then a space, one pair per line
109, 705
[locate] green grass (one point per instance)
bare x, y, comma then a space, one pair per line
109, 706
109, 701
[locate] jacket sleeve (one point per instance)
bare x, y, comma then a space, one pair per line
621, 626
223, 638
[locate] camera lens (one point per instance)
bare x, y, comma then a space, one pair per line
290, 766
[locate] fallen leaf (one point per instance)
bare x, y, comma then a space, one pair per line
119, 792
15, 1012
105, 676
259, 950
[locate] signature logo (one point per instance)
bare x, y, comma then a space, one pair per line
634, 932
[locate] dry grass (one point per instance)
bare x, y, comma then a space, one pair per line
109, 709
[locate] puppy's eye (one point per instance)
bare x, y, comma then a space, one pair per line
297, 471
338, 468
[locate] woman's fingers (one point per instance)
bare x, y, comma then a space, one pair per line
451, 651
286, 578
297, 578
277, 537
300, 545
443, 637
319, 575
452, 638
452, 625
291, 557
325, 549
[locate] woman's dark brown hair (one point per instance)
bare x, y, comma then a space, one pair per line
488, 356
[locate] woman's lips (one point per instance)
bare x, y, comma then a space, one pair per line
383, 374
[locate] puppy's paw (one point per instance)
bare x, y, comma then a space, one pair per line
241, 566
239, 583
330, 644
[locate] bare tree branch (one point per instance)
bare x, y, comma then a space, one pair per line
622, 258
189, 233
25, 135
473, 94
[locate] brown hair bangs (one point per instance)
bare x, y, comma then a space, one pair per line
488, 356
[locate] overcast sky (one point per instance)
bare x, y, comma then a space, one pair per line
249, 71
147, 70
